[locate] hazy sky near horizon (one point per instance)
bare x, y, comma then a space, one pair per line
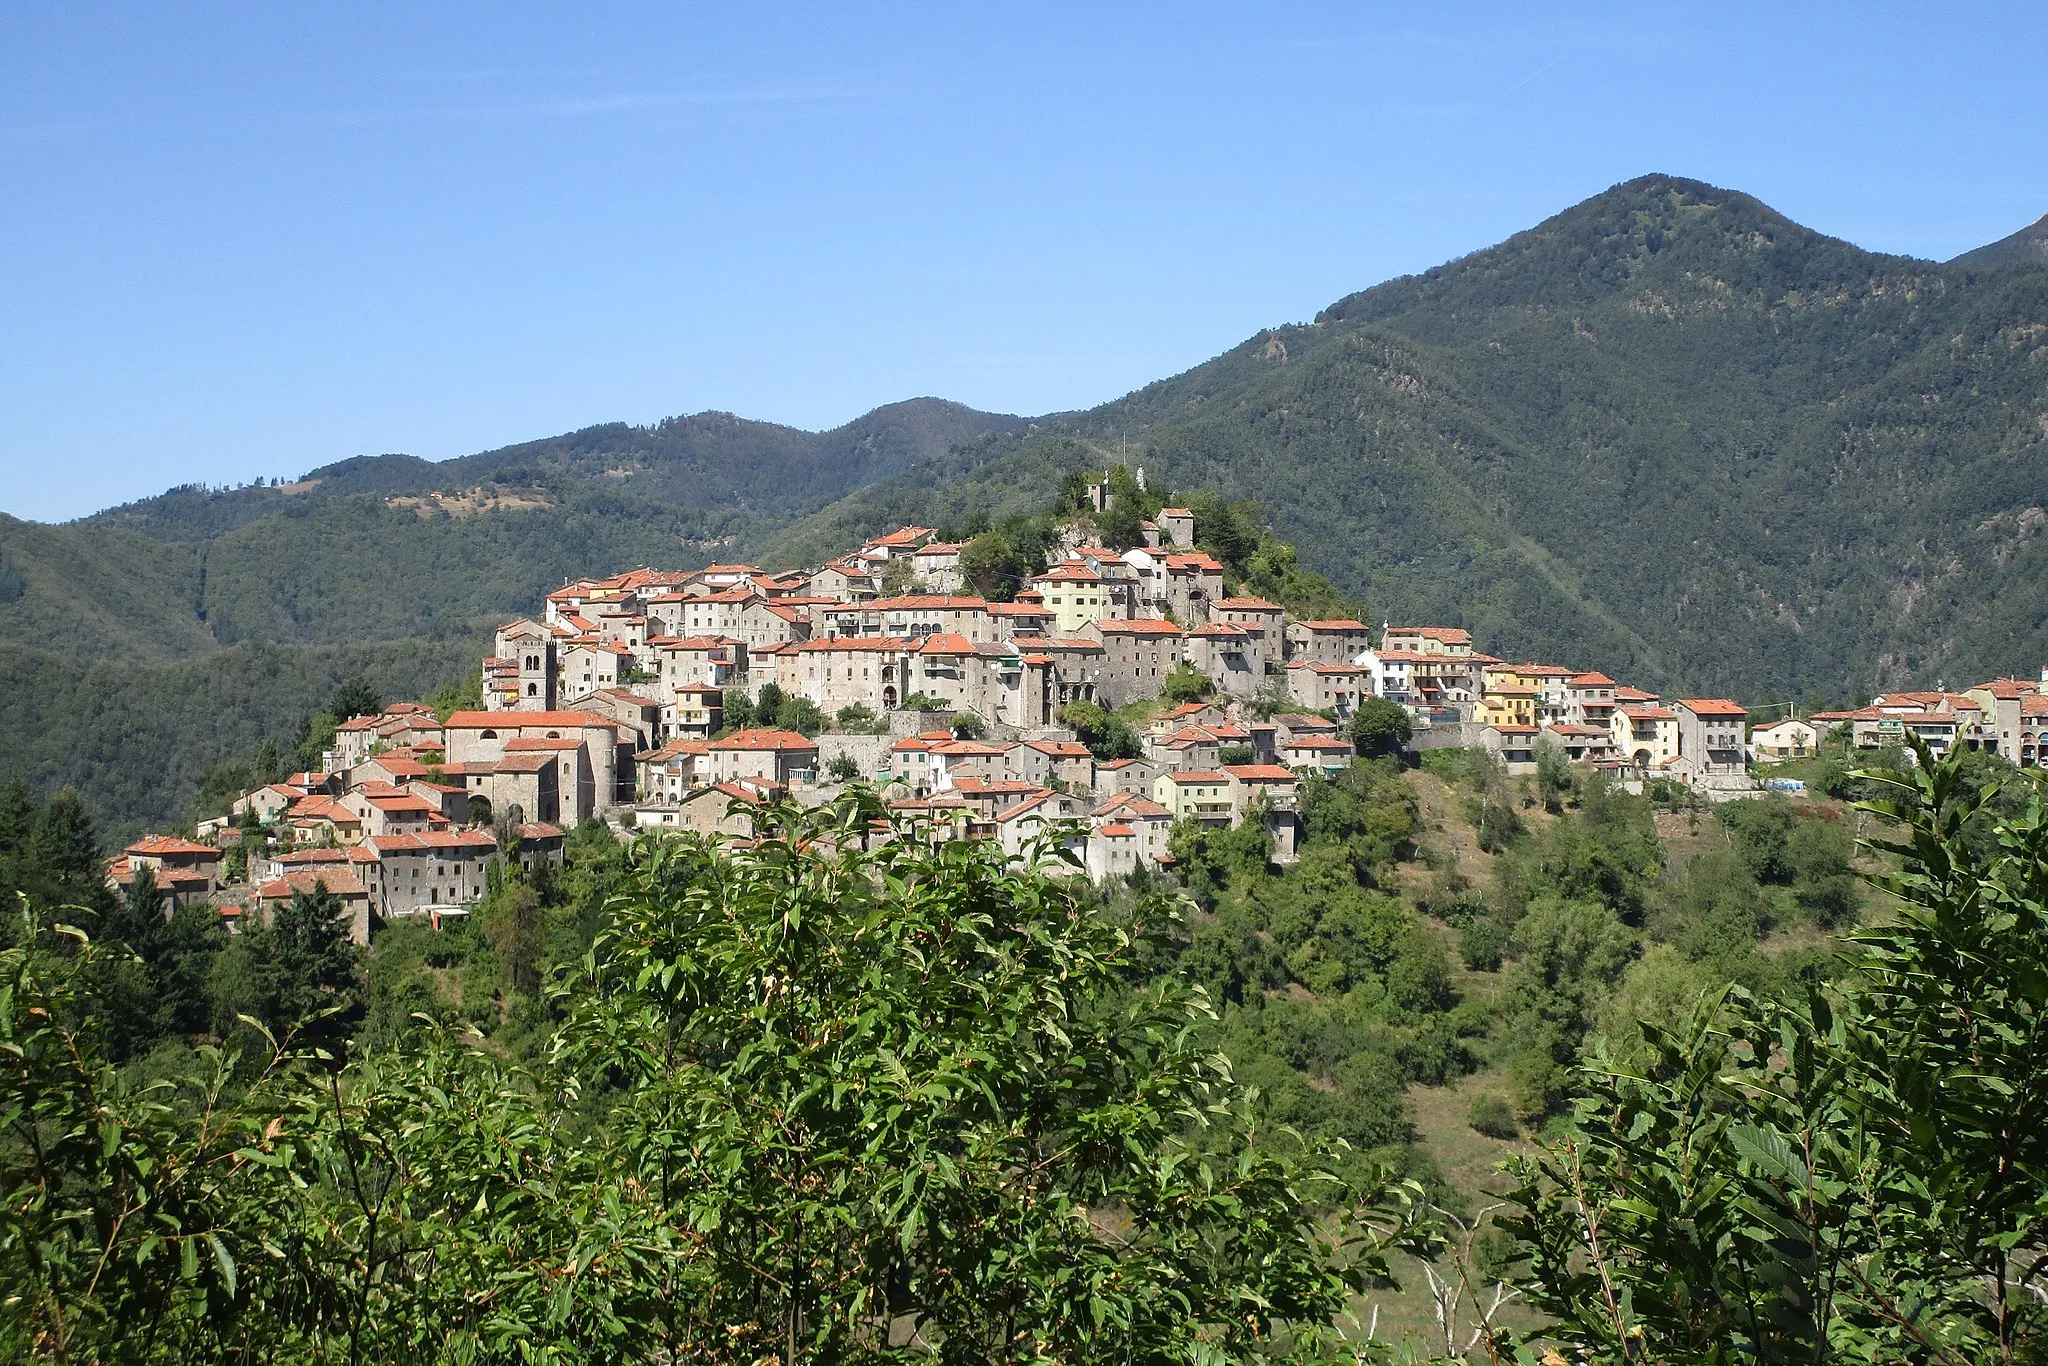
246, 240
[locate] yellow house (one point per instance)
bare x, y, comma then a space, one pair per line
1508, 703
1646, 737
1202, 793
1074, 594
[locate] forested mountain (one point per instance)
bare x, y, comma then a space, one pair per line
1667, 433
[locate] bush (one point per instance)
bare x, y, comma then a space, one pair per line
858, 717
1540, 1085
1481, 944
1185, 685
843, 768
1380, 728
1494, 1117
965, 725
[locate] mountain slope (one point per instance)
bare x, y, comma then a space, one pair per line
706, 460
1667, 433
2027, 247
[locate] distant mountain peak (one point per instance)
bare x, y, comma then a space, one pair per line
2027, 247
1617, 242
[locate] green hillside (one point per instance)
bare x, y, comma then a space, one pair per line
1667, 433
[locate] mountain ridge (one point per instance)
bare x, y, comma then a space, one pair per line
2027, 247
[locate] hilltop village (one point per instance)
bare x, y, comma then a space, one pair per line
1121, 691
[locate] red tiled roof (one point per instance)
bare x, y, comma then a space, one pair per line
1200, 775
339, 881
910, 601
1060, 749
862, 643
765, 738
522, 720
1139, 626
1261, 773
161, 846
1713, 706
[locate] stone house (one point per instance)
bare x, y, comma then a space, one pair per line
1138, 656
1328, 687
588, 668
937, 565
834, 673
666, 774
1116, 777
1226, 653
698, 661
846, 580
1067, 761
766, 621
711, 614
1337, 640
1590, 700
1713, 735
1077, 666
1176, 527
1031, 819
1194, 580
415, 872
1317, 754
696, 711
1130, 831
1014, 620
781, 757
585, 784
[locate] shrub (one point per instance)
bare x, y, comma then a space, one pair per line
1481, 944
1494, 1117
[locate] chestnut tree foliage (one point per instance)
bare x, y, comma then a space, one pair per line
837, 1094
1861, 1177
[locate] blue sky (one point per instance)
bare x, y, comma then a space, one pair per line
243, 241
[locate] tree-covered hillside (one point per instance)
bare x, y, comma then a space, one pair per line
1668, 433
